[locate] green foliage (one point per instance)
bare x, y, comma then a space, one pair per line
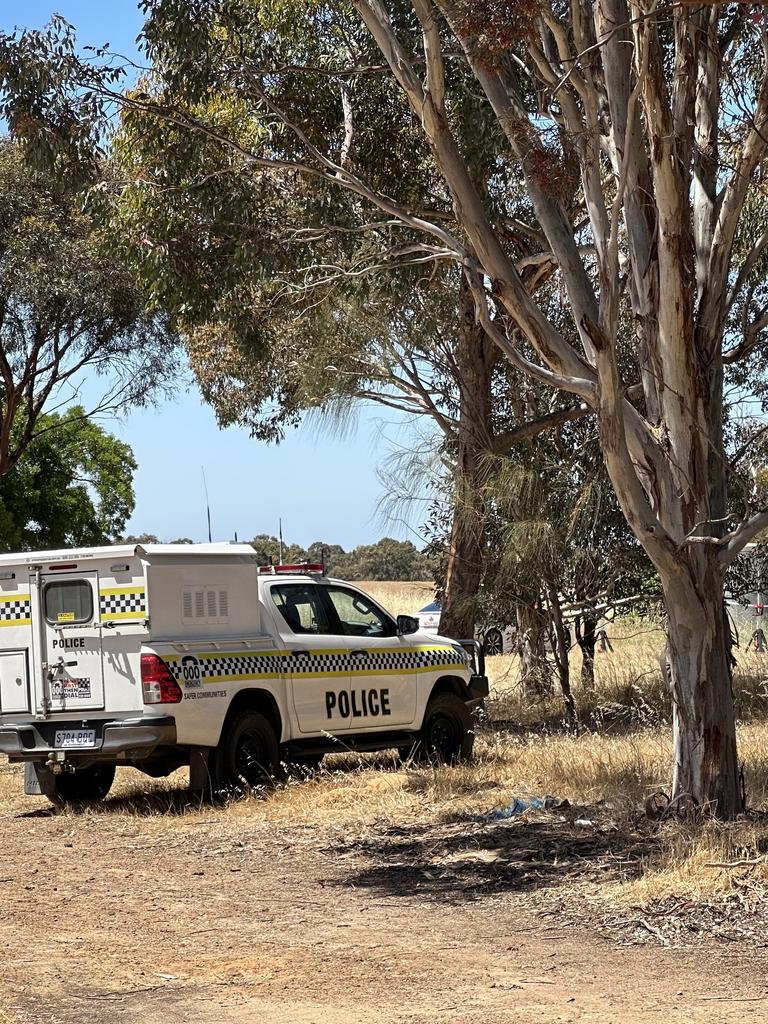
73, 487
550, 519
290, 291
59, 123
267, 549
387, 559
68, 306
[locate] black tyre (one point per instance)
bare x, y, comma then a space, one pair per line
84, 786
447, 735
248, 754
493, 642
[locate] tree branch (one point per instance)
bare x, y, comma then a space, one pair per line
735, 542
526, 431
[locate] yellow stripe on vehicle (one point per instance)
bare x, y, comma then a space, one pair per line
241, 678
139, 591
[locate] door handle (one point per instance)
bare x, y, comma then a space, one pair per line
359, 654
300, 654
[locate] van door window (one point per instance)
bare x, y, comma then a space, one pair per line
68, 601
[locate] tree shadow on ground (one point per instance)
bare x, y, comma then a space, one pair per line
147, 803
470, 859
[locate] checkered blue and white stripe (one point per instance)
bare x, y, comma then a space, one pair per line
317, 663
117, 604
225, 665
16, 609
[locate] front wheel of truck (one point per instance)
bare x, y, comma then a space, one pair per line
447, 734
84, 786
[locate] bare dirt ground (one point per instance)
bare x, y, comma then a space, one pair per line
219, 915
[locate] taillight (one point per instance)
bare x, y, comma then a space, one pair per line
157, 682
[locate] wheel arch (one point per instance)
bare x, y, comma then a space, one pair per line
254, 699
449, 684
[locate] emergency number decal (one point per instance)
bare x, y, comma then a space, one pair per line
191, 673
68, 689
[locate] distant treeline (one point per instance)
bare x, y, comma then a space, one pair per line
387, 559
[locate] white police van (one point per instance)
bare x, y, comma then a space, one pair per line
159, 656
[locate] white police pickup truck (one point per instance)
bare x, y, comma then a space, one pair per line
160, 656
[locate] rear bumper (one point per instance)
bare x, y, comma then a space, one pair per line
127, 737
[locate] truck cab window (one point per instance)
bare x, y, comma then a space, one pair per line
301, 607
357, 615
68, 601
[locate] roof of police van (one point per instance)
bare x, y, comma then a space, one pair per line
148, 551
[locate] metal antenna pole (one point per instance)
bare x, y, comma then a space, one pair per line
207, 504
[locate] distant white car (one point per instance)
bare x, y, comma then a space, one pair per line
495, 640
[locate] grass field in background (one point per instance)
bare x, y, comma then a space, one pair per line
621, 755
400, 598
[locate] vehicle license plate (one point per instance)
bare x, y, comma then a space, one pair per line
75, 738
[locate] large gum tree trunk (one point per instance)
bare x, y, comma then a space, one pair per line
476, 357
705, 769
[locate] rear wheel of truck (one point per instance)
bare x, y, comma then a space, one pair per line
447, 735
248, 754
84, 786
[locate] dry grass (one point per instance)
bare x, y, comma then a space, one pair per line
400, 597
602, 775
623, 755
629, 690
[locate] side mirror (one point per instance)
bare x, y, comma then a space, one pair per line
407, 624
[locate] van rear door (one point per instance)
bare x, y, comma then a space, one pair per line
70, 630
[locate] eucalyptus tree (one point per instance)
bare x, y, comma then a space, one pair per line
668, 138
633, 136
68, 309
292, 295
563, 552
288, 293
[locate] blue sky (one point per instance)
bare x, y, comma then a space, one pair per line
324, 488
